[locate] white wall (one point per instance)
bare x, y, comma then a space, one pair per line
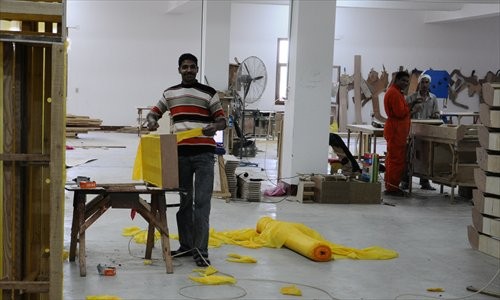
255, 29
124, 53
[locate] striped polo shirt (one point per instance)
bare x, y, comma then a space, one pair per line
191, 106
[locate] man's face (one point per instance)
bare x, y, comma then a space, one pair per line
403, 82
424, 84
188, 71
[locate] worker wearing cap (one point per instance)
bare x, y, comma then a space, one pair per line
423, 105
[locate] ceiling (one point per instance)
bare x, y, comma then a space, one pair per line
436, 10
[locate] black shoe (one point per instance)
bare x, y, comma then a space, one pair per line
396, 193
181, 253
405, 185
201, 260
427, 187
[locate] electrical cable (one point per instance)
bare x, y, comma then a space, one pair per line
458, 298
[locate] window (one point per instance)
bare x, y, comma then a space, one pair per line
282, 70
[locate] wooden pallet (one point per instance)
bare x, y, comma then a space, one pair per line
305, 191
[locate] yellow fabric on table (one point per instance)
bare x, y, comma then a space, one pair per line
151, 165
182, 135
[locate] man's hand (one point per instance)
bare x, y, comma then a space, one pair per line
212, 128
209, 130
152, 119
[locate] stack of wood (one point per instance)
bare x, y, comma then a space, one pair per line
81, 124
484, 235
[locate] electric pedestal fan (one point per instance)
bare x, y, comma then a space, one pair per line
251, 79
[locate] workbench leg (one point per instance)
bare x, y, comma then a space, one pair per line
452, 194
81, 236
74, 226
165, 241
151, 228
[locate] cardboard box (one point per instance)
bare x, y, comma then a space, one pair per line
157, 161
328, 190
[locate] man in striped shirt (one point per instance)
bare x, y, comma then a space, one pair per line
193, 105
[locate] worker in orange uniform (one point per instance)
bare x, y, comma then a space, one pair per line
396, 130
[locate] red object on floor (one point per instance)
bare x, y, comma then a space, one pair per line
70, 147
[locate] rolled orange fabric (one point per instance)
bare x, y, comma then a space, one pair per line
288, 235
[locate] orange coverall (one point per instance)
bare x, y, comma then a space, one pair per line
396, 130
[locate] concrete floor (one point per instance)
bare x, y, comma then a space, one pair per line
428, 232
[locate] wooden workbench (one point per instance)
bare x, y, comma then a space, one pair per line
366, 134
445, 154
87, 211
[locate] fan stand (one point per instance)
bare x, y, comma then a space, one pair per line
242, 138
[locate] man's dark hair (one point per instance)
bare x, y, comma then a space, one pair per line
401, 74
188, 56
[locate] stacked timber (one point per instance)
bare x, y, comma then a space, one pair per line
484, 234
81, 124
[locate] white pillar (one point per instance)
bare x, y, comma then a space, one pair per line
215, 43
307, 111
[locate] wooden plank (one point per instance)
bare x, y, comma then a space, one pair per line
357, 89
26, 286
446, 132
36, 209
57, 169
2, 95
483, 243
31, 11
491, 94
33, 157
487, 184
488, 161
486, 204
486, 224
489, 140
489, 116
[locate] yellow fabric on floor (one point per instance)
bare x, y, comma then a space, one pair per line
275, 237
102, 297
291, 290
233, 257
206, 276
214, 279
140, 235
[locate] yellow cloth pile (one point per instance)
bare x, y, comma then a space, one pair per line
275, 234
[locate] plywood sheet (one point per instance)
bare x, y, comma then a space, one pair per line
489, 140
486, 204
489, 116
488, 161
491, 94
486, 224
483, 243
487, 184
